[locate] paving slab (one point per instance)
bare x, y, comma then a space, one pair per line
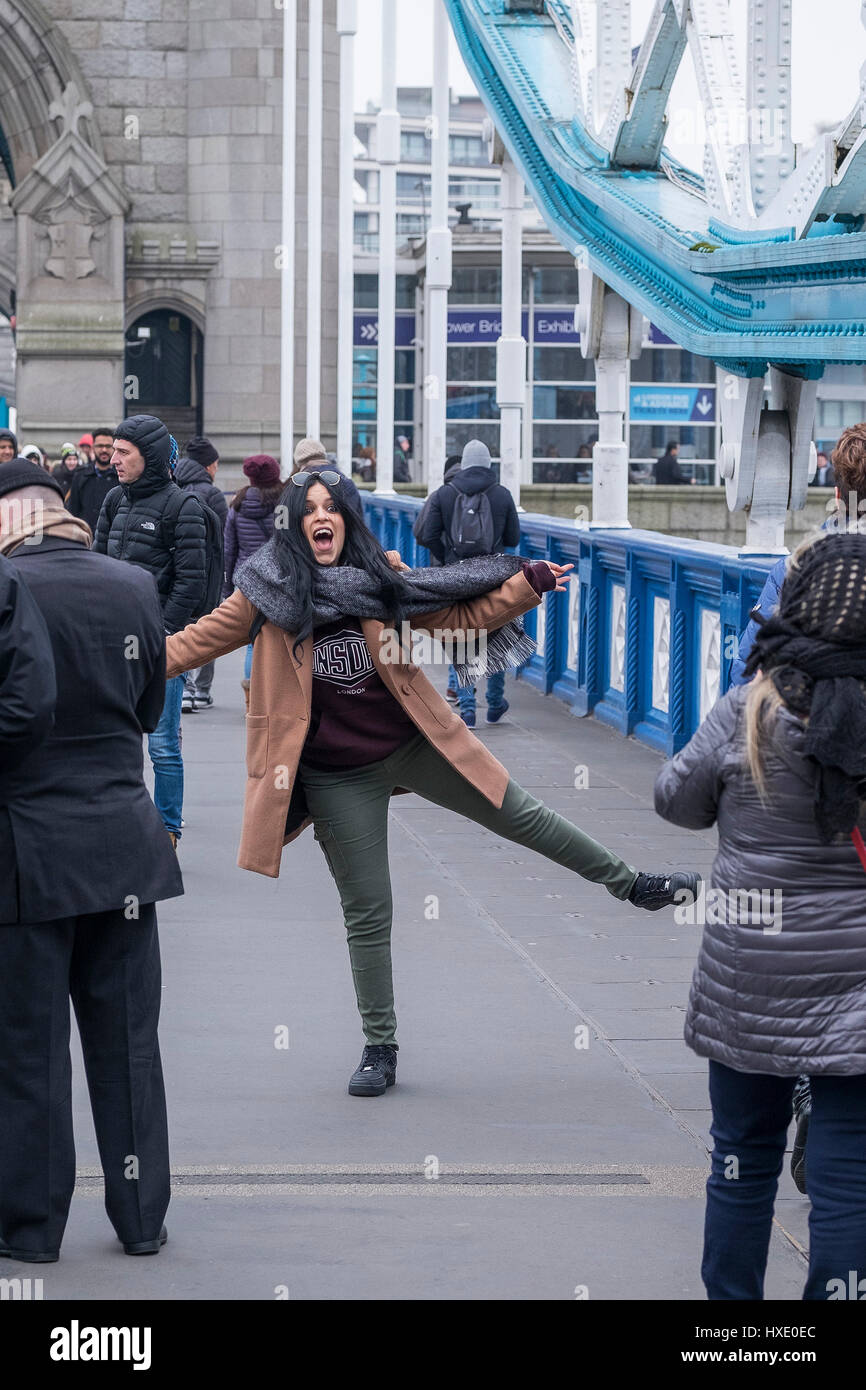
541, 1058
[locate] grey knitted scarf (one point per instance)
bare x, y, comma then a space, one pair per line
343, 591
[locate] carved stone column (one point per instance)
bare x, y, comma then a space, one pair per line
70, 273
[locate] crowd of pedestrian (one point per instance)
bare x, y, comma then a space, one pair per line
288, 570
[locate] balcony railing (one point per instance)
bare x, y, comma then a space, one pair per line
645, 637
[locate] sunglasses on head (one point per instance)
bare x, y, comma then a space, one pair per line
328, 476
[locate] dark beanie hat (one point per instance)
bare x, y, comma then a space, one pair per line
22, 473
262, 469
150, 437
7, 434
200, 450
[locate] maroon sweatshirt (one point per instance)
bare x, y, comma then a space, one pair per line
355, 718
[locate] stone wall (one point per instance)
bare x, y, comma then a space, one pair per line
187, 98
699, 513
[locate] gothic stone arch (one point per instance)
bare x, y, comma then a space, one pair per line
36, 67
66, 235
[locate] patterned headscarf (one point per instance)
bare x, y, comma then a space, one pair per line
814, 650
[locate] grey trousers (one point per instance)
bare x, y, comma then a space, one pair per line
199, 682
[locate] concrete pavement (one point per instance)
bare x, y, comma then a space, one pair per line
505, 965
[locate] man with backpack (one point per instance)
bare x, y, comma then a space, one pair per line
149, 521
196, 472
470, 515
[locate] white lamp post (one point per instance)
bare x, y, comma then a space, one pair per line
347, 27
511, 346
314, 217
286, 250
437, 281
388, 153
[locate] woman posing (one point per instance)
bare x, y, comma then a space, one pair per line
340, 718
780, 985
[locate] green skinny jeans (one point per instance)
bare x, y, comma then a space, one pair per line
350, 821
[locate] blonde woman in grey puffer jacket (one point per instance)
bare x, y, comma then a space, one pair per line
780, 984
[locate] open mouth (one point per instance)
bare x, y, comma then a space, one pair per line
323, 537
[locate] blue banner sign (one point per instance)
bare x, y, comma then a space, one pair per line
672, 404
473, 326
485, 326
555, 326
367, 330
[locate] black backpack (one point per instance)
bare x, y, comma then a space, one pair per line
214, 559
471, 530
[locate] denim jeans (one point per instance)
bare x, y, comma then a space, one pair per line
466, 693
751, 1115
248, 661
163, 745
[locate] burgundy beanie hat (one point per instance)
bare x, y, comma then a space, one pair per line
262, 469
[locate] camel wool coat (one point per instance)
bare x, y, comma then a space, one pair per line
280, 701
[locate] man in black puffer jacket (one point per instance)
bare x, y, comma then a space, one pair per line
148, 521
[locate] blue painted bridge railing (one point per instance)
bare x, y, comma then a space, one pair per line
645, 637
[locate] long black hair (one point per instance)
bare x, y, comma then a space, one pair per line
361, 549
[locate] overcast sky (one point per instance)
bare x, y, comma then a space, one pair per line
829, 48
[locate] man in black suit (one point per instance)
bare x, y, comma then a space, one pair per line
85, 859
28, 686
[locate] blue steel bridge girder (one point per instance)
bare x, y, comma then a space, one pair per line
730, 265
651, 234
640, 136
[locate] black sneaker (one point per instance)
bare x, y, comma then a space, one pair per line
377, 1070
203, 702
654, 891
187, 704
802, 1113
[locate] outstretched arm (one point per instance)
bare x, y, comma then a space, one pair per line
490, 611
219, 632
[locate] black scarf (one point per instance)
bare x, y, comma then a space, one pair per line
823, 681
344, 591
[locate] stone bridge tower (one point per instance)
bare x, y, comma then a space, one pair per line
140, 153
